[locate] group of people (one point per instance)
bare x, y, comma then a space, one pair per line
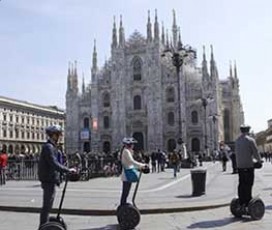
50, 167
3, 165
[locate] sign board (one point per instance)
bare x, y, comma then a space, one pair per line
85, 134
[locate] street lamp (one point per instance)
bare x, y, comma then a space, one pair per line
204, 104
178, 56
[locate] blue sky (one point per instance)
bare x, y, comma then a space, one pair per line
38, 38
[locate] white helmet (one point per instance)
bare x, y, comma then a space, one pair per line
129, 140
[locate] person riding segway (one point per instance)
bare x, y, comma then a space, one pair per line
49, 169
127, 214
246, 150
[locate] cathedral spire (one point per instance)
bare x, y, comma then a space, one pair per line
69, 85
179, 39
83, 84
175, 29
230, 73
156, 28
75, 78
235, 71
94, 67
163, 35
114, 35
167, 40
121, 34
213, 68
149, 28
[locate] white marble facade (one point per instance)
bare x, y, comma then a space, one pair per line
135, 94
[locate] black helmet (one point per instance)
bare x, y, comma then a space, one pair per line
244, 128
54, 129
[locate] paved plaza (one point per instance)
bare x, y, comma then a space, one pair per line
159, 191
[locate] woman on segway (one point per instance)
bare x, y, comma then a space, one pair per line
128, 163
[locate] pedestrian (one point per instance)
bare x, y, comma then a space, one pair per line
224, 155
129, 166
154, 161
49, 169
246, 151
3, 165
174, 161
233, 162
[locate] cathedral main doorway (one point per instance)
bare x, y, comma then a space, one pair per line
140, 138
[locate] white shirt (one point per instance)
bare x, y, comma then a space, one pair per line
128, 162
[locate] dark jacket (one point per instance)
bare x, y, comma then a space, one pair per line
49, 168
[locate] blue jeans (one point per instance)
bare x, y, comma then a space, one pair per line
125, 192
175, 167
49, 190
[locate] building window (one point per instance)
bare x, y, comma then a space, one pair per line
227, 125
86, 123
4, 133
33, 136
194, 117
16, 133
195, 145
11, 134
137, 69
28, 120
170, 95
38, 136
171, 118
106, 122
23, 120
106, 100
17, 119
28, 135
137, 102
11, 118
5, 117
23, 135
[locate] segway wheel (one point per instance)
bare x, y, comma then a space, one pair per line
52, 226
128, 216
58, 220
256, 209
235, 208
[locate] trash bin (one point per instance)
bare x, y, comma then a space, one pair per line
198, 181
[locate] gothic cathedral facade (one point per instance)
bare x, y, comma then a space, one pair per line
139, 93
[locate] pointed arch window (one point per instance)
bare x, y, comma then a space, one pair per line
86, 123
106, 100
170, 95
137, 69
137, 104
106, 122
171, 118
194, 117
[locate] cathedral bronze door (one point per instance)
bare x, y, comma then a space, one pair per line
140, 138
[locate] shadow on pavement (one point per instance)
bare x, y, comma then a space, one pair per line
108, 227
185, 196
214, 223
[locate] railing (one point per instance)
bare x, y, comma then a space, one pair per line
94, 167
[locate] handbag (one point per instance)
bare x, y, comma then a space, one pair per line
131, 175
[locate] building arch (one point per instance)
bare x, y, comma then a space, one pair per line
194, 117
226, 125
137, 102
137, 68
170, 94
195, 145
171, 145
107, 147
106, 100
171, 118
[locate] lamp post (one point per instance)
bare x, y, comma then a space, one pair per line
204, 104
178, 56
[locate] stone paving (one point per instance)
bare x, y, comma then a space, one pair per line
221, 187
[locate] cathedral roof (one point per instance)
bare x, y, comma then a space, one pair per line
136, 40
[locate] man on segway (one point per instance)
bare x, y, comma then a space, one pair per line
49, 169
246, 151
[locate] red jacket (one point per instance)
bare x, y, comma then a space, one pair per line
3, 160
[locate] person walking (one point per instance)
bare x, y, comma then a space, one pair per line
224, 155
246, 151
128, 164
49, 169
3, 165
174, 161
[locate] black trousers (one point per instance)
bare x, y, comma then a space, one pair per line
49, 191
246, 180
125, 192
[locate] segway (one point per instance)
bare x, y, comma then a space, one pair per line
57, 223
128, 215
255, 208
